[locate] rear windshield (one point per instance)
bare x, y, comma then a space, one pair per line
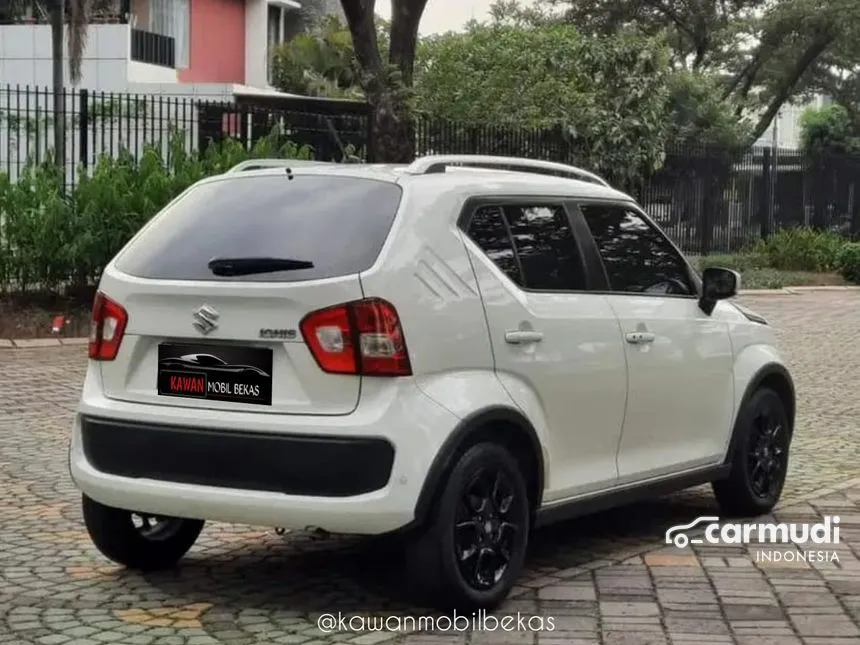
337, 223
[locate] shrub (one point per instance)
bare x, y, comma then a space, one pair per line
50, 237
801, 249
36, 227
849, 262
738, 262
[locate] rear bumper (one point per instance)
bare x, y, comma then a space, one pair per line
253, 461
360, 473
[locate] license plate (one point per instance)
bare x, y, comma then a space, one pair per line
216, 373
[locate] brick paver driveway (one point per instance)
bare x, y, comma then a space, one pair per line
605, 579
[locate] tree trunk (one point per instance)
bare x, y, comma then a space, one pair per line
393, 138
57, 20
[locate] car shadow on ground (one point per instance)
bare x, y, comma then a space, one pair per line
305, 575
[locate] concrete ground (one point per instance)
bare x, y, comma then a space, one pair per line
603, 579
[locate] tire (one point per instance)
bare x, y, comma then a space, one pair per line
432, 556
741, 493
145, 548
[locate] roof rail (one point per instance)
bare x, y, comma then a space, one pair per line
438, 163
260, 164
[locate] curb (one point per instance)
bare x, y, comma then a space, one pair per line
795, 291
39, 343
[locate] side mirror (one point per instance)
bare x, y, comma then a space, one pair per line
718, 284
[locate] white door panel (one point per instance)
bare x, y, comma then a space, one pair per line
575, 373
680, 386
560, 357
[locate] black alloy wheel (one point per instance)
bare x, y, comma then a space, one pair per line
767, 457
471, 549
487, 526
760, 457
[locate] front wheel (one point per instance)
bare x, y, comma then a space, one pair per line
139, 540
759, 463
472, 550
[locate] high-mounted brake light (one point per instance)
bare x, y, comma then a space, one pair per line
106, 328
362, 338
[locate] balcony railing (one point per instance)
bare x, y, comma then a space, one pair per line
155, 49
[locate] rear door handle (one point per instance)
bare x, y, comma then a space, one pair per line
640, 337
521, 337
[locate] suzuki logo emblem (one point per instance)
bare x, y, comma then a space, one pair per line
205, 319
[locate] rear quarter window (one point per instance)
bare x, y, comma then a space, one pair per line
338, 223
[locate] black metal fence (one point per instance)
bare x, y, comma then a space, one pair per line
90, 124
709, 200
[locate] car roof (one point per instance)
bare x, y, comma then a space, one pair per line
457, 179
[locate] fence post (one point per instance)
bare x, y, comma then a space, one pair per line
707, 219
820, 199
371, 134
711, 186
765, 196
855, 210
84, 124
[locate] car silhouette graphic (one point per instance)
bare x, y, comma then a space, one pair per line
208, 363
676, 534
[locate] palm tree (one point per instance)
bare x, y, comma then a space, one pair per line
78, 15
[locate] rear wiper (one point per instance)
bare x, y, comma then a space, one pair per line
250, 266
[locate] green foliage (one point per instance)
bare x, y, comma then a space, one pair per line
698, 113
829, 130
36, 223
849, 262
49, 236
740, 262
756, 273
765, 53
318, 62
321, 60
607, 94
801, 249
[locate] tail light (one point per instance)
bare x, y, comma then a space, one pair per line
106, 328
362, 337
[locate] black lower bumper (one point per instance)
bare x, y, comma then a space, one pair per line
291, 464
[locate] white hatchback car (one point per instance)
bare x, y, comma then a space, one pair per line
449, 354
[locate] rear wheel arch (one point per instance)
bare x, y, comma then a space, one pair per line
773, 376
498, 424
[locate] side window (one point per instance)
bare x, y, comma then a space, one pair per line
637, 257
543, 255
546, 248
488, 230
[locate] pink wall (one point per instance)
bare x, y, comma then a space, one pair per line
217, 52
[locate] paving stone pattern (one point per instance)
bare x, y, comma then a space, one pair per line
604, 579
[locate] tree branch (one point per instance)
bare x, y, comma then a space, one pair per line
672, 15
405, 17
701, 53
789, 81
751, 74
360, 19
